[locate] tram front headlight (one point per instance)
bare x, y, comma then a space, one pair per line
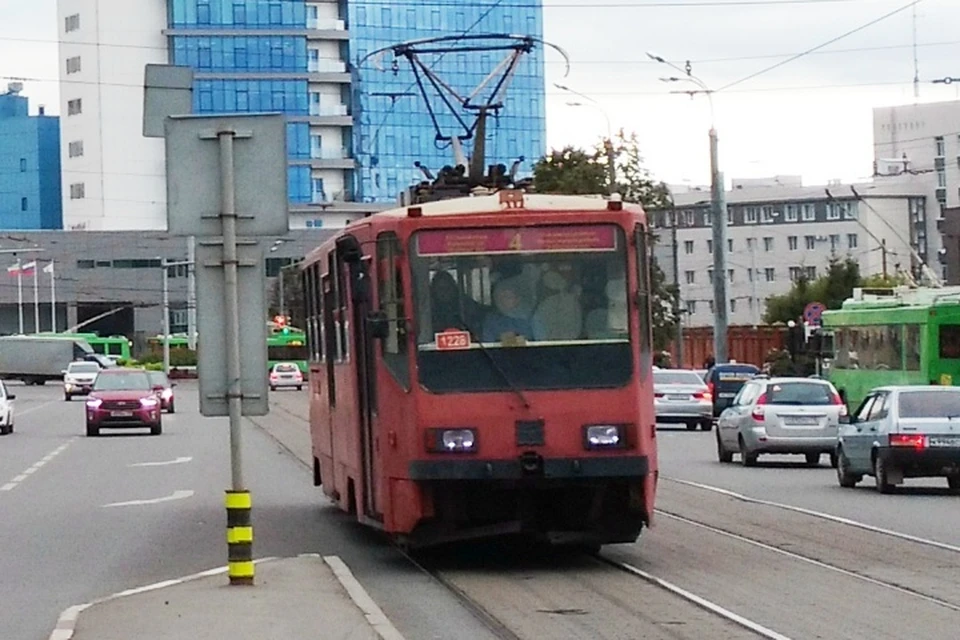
604, 436
452, 440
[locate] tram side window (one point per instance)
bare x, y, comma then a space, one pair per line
879, 347
390, 296
911, 346
950, 341
643, 290
312, 294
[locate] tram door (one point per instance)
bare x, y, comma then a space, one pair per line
361, 292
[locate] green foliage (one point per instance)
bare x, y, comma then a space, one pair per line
153, 366
575, 171
879, 281
830, 289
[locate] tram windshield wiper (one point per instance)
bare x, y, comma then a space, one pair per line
493, 361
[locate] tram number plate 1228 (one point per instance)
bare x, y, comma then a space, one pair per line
452, 340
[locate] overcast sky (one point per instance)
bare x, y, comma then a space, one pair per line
810, 117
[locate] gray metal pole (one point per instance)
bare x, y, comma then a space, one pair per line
191, 294
719, 209
676, 283
231, 293
611, 163
20, 292
166, 316
281, 284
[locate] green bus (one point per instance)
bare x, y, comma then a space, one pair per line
894, 336
114, 347
283, 345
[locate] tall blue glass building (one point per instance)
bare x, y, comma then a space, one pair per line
392, 128
275, 55
29, 166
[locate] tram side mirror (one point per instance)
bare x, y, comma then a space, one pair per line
379, 324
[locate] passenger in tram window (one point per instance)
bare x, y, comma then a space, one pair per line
510, 315
449, 308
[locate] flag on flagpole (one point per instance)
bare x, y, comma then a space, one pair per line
48, 268
29, 268
13, 270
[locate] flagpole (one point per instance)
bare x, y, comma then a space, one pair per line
20, 293
53, 299
36, 297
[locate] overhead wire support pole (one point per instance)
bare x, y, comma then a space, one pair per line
165, 266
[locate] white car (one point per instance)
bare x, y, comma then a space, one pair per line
6, 410
286, 374
78, 378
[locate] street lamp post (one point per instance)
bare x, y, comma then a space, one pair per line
165, 265
718, 212
16, 254
608, 143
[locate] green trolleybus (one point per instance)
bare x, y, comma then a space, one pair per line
894, 336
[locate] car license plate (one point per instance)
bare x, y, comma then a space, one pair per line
121, 414
678, 397
726, 395
801, 420
943, 442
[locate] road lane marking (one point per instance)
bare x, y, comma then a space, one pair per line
812, 561
176, 495
703, 603
17, 414
817, 514
179, 460
15, 482
374, 615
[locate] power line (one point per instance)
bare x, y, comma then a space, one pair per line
820, 46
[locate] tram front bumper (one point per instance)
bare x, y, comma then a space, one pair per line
529, 467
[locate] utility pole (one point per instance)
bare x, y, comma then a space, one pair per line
719, 219
676, 283
281, 284
883, 251
166, 265
191, 293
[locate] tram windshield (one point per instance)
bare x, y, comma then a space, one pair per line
529, 307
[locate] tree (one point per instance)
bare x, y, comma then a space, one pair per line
576, 171
830, 290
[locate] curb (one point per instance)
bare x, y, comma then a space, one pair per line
67, 622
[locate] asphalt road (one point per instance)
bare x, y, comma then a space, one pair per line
101, 515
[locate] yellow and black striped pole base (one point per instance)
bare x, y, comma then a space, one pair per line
239, 538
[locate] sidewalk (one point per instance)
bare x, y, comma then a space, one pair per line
307, 597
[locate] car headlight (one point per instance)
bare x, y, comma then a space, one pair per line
148, 402
166, 394
604, 436
452, 440
93, 403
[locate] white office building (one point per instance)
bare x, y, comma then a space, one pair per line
777, 235
284, 57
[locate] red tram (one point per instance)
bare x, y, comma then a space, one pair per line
481, 366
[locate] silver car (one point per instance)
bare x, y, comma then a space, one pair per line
902, 432
781, 415
681, 396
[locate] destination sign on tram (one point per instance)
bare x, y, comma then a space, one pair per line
548, 239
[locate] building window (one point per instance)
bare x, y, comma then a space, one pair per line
710, 275
691, 307
319, 194
941, 147
23, 165
75, 107
768, 243
751, 215
73, 64
751, 244
688, 218
833, 211
730, 275
809, 212
708, 217
688, 247
810, 273
810, 242
710, 302
75, 149
730, 245
795, 273
770, 274
834, 241
709, 246
77, 191
316, 145
766, 214
730, 216
733, 305
792, 213
941, 178
24, 204
851, 210
792, 243
851, 241
71, 23
691, 276
750, 274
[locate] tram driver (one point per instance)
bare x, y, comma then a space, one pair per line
511, 314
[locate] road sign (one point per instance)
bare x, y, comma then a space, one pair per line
211, 312
813, 311
194, 170
167, 91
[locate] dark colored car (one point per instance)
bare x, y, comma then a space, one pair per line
123, 399
724, 382
164, 389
